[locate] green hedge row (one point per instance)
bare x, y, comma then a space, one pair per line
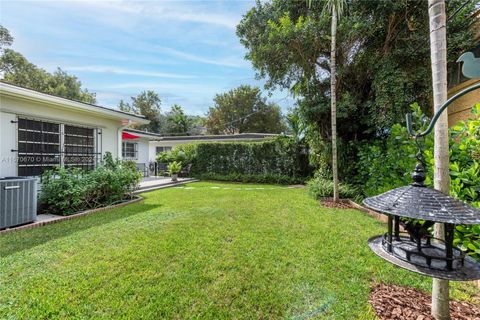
274, 160
277, 160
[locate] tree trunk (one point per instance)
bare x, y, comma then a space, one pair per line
333, 89
438, 53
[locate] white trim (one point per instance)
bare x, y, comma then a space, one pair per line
27, 94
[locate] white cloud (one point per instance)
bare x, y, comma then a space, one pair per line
234, 62
170, 87
116, 70
181, 11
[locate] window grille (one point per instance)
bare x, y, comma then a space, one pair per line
79, 147
130, 150
43, 145
38, 146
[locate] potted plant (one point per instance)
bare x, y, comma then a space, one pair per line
174, 168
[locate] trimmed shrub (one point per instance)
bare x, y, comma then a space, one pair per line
281, 156
67, 191
253, 178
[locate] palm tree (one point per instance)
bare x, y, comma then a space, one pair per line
335, 7
438, 48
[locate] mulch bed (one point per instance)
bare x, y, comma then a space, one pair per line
329, 203
395, 303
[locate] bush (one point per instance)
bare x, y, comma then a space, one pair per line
319, 187
253, 178
184, 153
67, 191
174, 167
276, 157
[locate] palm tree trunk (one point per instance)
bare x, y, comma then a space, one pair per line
333, 90
438, 49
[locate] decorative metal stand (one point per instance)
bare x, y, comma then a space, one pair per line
417, 208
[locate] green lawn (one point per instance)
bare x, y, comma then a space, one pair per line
231, 251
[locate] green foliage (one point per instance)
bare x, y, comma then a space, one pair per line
67, 191
387, 163
146, 103
243, 109
19, 71
6, 38
253, 178
184, 153
382, 62
319, 187
280, 157
174, 167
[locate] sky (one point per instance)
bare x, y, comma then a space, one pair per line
187, 51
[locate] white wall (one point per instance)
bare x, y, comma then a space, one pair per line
11, 108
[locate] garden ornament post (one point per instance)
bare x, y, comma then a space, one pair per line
416, 208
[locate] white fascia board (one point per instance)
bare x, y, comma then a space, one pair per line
58, 102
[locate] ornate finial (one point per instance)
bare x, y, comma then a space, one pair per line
418, 176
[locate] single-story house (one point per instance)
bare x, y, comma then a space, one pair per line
143, 147
39, 131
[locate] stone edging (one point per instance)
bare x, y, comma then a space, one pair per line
37, 224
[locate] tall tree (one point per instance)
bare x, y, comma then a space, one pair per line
336, 9
180, 122
381, 62
6, 38
146, 103
241, 110
19, 71
438, 54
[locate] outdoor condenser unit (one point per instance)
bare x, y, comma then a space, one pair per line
18, 201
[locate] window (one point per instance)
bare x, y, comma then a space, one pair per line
43, 145
129, 150
38, 147
79, 147
163, 149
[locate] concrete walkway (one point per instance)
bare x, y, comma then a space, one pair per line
154, 183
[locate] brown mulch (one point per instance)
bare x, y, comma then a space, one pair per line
329, 203
400, 303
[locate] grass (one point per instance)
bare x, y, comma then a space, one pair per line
208, 250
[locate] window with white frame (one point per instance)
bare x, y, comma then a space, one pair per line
42, 145
129, 150
162, 149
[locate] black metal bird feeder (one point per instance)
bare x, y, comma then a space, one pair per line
412, 210
416, 208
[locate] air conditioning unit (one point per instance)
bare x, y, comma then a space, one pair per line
18, 201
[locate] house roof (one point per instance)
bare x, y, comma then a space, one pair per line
239, 136
10, 90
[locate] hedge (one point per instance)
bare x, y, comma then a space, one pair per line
278, 160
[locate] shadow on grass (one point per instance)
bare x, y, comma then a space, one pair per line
17, 241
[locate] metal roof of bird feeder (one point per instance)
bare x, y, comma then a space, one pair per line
420, 202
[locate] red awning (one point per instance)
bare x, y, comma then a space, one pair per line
129, 136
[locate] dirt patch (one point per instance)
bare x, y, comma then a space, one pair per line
341, 204
395, 303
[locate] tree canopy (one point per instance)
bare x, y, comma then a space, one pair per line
146, 103
176, 122
19, 71
382, 59
241, 110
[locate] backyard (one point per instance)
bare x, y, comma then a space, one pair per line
203, 250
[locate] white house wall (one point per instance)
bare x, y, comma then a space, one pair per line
11, 108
